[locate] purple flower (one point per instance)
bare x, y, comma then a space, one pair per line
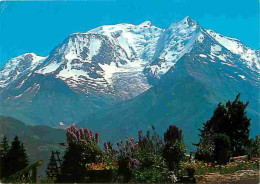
68, 129
81, 133
106, 146
153, 127
140, 135
97, 136
82, 140
91, 134
73, 136
134, 163
132, 140
148, 135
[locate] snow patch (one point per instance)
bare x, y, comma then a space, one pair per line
202, 55
49, 68
242, 77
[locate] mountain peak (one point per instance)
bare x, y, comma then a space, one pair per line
146, 23
187, 20
18, 66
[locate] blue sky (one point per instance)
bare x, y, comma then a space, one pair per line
39, 26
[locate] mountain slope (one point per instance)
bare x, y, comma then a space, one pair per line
39, 141
186, 95
111, 64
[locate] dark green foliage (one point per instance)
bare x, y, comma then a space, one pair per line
52, 168
223, 150
205, 151
174, 150
255, 147
77, 156
39, 141
173, 134
4, 148
229, 121
82, 150
148, 175
16, 158
72, 168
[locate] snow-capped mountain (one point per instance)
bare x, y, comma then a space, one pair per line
106, 65
187, 94
98, 60
18, 67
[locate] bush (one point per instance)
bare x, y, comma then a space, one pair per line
148, 175
174, 150
255, 147
82, 149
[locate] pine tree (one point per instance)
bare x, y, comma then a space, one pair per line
229, 121
16, 157
4, 148
52, 168
238, 126
72, 167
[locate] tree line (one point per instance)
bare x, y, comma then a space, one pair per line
150, 158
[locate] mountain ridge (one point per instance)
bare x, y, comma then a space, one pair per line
116, 75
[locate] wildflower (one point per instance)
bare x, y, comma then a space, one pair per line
97, 136
81, 133
134, 163
140, 135
91, 134
73, 136
106, 146
153, 127
148, 135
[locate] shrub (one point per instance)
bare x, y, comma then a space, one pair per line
148, 175
82, 149
174, 150
227, 130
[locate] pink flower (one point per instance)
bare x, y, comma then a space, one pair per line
148, 135
97, 137
106, 146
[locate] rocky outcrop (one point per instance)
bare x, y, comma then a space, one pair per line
242, 176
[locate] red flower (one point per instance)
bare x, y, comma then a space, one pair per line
115, 163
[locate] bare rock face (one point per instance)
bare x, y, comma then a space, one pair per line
242, 176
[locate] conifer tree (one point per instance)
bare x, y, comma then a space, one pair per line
52, 170
72, 169
16, 157
229, 123
4, 148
